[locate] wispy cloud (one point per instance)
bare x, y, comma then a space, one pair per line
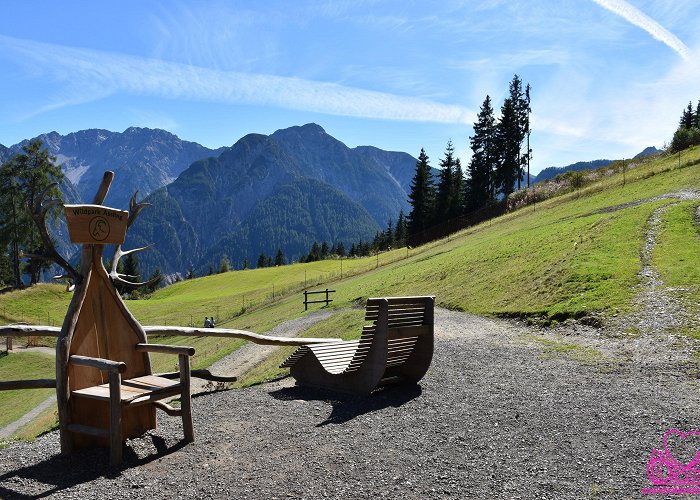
641, 20
90, 75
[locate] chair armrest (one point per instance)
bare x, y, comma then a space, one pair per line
166, 349
106, 365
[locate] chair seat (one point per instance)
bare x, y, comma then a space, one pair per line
135, 390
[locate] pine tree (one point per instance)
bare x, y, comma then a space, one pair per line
280, 259
389, 235
688, 132
155, 281
457, 190
401, 230
480, 185
521, 101
315, 253
225, 265
324, 250
512, 129
340, 249
450, 190
5, 269
688, 117
262, 260
131, 267
508, 166
421, 197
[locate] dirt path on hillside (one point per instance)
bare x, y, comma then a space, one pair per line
654, 327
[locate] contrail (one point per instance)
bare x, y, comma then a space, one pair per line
91, 75
641, 20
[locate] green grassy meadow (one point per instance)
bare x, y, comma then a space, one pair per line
571, 256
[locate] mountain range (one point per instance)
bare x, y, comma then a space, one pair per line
143, 159
286, 190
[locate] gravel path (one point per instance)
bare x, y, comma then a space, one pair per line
499, 414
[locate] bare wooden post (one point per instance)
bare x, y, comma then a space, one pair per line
115, 418
186, 400
306, 300
9, 344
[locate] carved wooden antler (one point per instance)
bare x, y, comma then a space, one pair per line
40, 209
119, 278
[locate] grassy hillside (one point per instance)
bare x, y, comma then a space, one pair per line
571, 256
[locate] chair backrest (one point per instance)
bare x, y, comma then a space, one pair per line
104, 329
409, 318
403, 311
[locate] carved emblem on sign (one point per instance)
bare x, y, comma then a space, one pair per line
99, 228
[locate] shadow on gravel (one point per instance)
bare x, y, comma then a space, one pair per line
60, 472
346, 407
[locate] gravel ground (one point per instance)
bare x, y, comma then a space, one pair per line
498, 415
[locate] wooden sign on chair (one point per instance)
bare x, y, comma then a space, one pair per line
105, 388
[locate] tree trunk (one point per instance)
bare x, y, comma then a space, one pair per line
15, 247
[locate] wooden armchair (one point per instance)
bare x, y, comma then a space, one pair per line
119, 395
105, 389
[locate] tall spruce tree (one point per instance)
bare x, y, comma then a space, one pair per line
401, 230
526, 156
508, 166
688, 117
480, 184
513, 127
448, 200
421, 197
457, 192
280, 259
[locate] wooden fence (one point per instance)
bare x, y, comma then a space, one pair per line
327, 300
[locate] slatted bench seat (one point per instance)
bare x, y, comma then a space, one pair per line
396, 346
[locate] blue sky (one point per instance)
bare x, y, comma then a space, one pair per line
608, 77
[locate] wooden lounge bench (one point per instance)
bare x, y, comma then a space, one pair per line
396, 346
